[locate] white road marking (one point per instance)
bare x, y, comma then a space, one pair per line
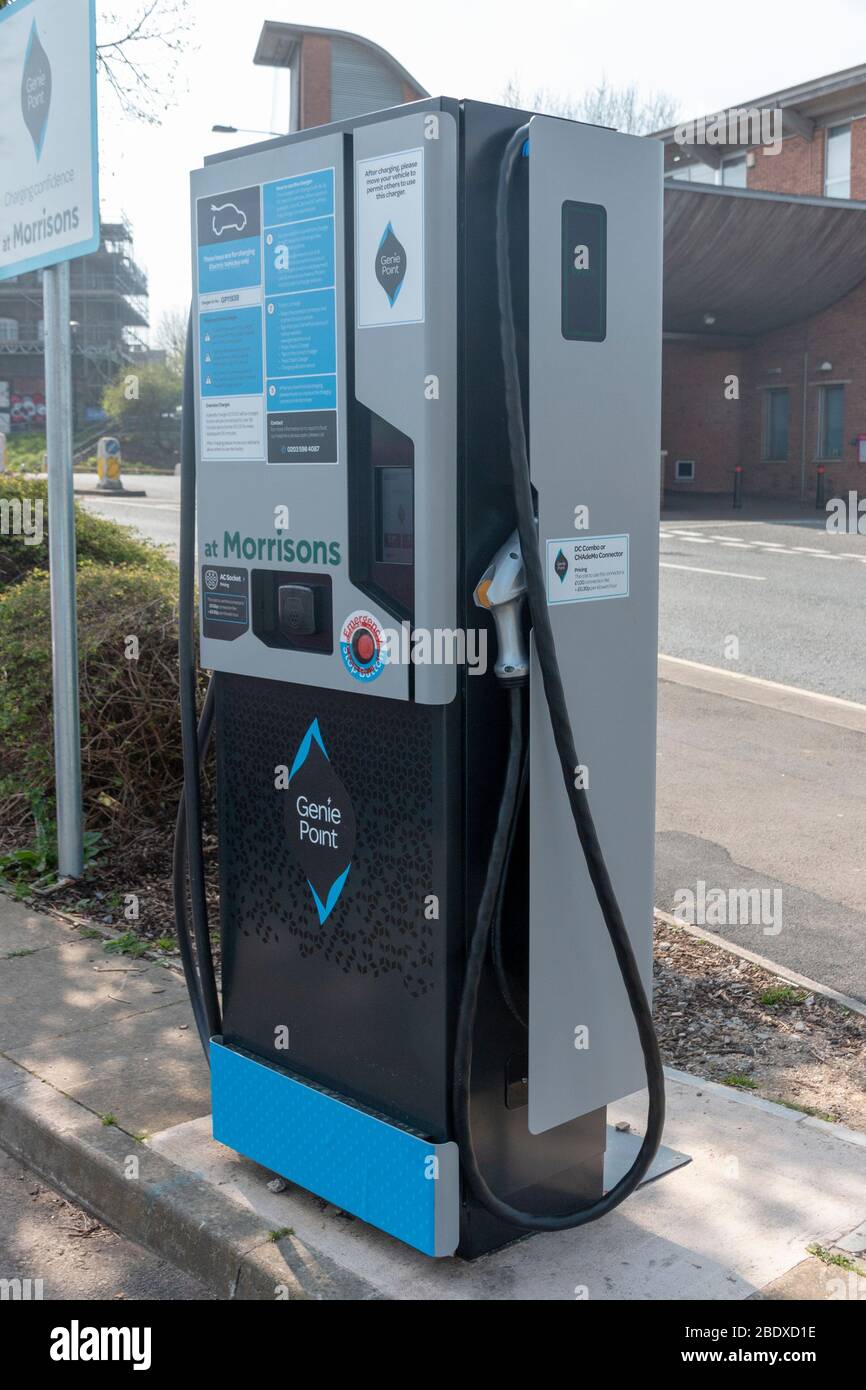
695, 569
759, 681
762, 547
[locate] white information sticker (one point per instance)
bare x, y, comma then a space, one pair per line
591, 567
389, 239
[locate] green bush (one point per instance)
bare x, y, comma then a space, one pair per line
26, 450
97, 540
131, 758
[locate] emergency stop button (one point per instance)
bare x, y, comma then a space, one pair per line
364, 646
296, 605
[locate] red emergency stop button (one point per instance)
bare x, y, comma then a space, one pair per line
363, 646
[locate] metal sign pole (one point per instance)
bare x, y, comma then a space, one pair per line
61, 539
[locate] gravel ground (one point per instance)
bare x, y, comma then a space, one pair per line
715, 1019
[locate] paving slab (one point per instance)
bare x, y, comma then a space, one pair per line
72, 986
115, 1033
146, 1070
24, 930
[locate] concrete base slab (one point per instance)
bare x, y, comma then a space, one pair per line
119, 492
740, 1215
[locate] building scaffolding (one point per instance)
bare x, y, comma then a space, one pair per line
109, 308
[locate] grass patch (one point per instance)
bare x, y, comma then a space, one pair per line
109, 1120
127, 945
280, 1233
739, 1081
834, 1257
782, 994
166, 943
810, 1110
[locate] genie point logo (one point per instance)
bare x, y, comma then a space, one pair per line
36, 90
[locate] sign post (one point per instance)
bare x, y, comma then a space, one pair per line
49, 214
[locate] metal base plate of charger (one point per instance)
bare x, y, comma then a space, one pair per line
622, 1150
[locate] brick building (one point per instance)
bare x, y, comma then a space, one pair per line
334, 75
765, 283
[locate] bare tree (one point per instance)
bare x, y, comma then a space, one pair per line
622, 108
171, 337
138, 51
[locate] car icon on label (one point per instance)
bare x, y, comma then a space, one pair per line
227, 217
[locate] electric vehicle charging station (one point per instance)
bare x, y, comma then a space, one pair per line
435, 901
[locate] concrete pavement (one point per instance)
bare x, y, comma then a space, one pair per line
89, 1037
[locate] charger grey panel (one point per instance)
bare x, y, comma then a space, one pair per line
406, 339
595, 227
269, 276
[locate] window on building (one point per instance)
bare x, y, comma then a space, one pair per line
685, 470
831, 422
694, 173
777, 409
837, 177
733, 171
8, 330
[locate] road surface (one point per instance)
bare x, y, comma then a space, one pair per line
791, 596
750, 796
44, 1237
156, 516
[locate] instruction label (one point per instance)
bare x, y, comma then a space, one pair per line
301, 319
231, 351
225, 602
267, 302
593, 567
389, 239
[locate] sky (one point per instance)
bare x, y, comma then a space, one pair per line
706, 57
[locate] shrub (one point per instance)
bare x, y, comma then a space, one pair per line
98, 540
26, 450
131, 757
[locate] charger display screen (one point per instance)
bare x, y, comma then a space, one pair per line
394, 516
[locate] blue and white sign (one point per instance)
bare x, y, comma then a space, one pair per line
49, 211
267, 300
389, 239
301, 318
